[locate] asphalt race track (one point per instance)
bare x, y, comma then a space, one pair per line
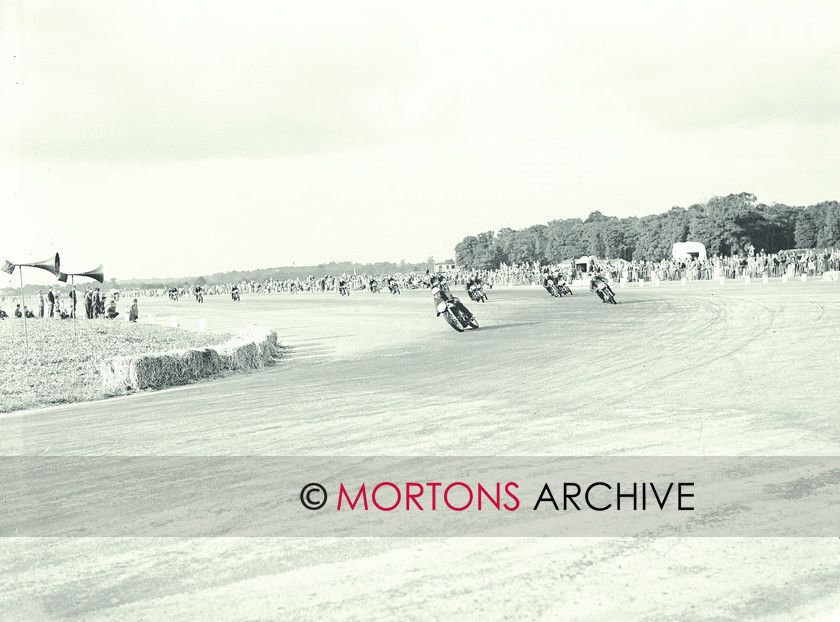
696, 370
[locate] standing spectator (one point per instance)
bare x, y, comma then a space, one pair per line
50, 303
99, 301
73, 300
89, 303
98, 304
40, 303
133, 312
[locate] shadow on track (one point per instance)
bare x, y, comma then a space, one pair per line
498, 326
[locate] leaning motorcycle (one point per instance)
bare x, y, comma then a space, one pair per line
453, 311
604, 291
476, 293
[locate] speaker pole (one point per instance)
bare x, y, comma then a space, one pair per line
73, 303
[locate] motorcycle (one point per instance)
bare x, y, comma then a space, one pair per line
476, 293
374, 287
173, 295
199, 296
235, 295
552, 288
564, 289
604, 291
395, 289
455, 313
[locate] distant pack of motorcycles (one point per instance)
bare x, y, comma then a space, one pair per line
446, 304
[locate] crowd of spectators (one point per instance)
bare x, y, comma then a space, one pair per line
754, 264
52, 303
792, 263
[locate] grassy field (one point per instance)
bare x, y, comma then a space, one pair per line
61, 367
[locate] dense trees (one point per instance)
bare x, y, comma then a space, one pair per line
726, 225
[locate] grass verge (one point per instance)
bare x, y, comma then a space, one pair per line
62, 368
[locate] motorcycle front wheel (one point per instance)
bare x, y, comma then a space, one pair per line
453, 321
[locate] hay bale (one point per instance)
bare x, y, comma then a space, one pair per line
251, 349
157, 370
114, 373
209, 361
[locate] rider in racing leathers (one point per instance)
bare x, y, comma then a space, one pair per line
598, 284
441, 293
548, 281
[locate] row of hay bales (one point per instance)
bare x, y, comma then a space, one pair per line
251, 349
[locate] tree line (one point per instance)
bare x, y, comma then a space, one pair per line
725, 225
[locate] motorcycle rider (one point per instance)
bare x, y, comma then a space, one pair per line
562, 285
470, 287
549, 282
441, 293
473, 287
598, 284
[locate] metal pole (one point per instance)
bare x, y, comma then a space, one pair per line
23, 310
73, 304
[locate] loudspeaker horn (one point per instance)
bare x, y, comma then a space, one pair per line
97, 274
51, 264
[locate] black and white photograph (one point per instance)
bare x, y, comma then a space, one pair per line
377, 310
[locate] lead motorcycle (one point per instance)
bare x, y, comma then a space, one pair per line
452, 309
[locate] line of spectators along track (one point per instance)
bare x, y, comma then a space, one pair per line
792, 263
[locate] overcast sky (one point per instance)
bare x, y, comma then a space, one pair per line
189, 137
